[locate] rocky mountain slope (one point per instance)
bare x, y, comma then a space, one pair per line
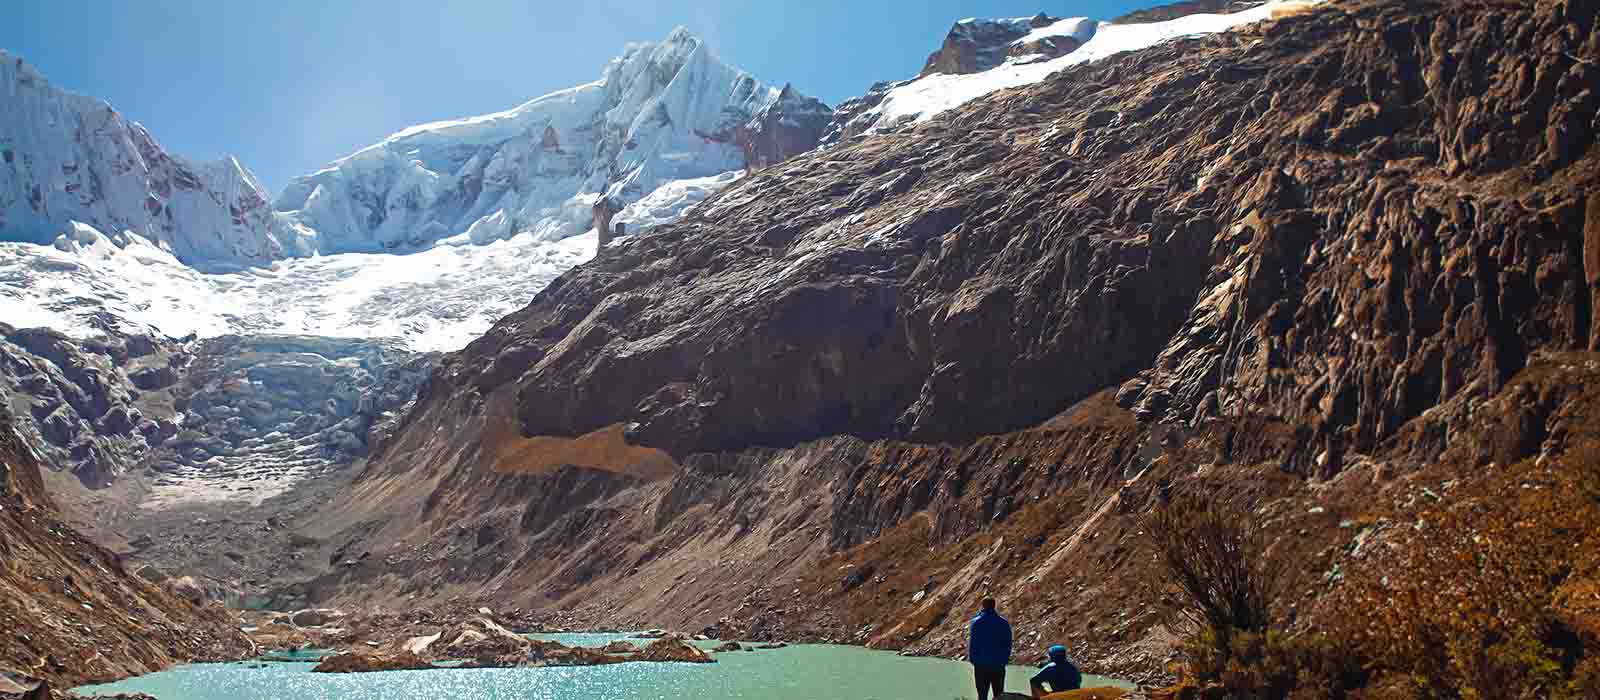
67, 157
70, 610
660, 112
962, 357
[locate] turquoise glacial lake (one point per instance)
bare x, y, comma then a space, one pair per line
798, 672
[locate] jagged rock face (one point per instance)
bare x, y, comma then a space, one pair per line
66, 157
975, 45
792, 124
855, 116
540, 167
1352, 299
987, 271
229, 409
80, 402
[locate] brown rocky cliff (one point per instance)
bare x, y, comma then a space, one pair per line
791, 125
21, 483
974, 349
1312, 216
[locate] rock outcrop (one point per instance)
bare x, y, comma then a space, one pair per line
976, 45
90, 405
965, 356
354, 662
790, 125
673, 648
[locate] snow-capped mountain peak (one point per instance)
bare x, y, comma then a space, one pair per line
66, 157
660, 112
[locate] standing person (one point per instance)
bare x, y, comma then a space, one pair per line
1060, 674
989, 650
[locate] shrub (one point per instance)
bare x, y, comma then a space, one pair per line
1491, 591
1473, 605
1218, 562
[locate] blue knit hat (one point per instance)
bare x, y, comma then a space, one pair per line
1058, 653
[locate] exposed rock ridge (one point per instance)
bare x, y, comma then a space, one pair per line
976, 45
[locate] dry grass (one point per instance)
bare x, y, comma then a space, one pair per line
509, 452
1290, 8
605, 448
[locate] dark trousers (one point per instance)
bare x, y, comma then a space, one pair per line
989, 677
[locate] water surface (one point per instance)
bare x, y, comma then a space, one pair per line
799, 672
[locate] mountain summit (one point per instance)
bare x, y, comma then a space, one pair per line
660, 112
66, 157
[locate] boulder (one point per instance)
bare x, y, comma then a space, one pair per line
673, 648
16, 686
727, 647
154, 378
187, 588
313, 618
481, 637
150, 573
120, 420
419, 645
553, 654
355, 662
140, 345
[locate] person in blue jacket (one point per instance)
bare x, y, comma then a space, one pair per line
989, 650
1060, 674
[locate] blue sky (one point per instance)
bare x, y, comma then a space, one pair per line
288, 85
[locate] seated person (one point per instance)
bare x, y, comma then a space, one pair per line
1060, 674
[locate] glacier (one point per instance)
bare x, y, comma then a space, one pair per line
438, 299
